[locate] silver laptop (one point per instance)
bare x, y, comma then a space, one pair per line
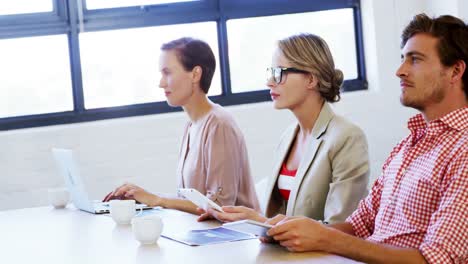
69, 170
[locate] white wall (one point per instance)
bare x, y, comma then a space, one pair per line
144, 149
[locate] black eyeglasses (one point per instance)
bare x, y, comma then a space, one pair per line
276, 73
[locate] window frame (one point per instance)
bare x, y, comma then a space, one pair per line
35, 24
59, 22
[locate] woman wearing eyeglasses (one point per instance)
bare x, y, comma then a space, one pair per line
213, 156
321, 165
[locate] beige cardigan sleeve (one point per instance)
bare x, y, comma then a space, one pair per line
228, 179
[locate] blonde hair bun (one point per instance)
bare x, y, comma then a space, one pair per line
338, 78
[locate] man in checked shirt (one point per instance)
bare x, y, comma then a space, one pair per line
417, 210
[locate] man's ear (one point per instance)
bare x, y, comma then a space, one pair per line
197, 74
312, 82
457, 73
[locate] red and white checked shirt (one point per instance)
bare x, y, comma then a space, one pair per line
421, 199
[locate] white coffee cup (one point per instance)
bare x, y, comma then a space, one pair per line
122, 211
147, 229
58, 197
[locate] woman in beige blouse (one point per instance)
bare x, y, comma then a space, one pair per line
213, 156
321, 165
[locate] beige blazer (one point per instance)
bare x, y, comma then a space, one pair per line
332, 175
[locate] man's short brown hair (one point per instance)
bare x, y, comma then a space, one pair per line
452, 34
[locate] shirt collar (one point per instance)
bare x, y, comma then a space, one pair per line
457, 119
416, 123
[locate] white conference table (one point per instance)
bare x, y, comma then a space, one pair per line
47, 235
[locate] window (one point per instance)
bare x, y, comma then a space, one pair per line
256, 38
97, 4
28, 62
68, 61
120, 67
25, 6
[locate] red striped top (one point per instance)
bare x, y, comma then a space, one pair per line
286, 181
